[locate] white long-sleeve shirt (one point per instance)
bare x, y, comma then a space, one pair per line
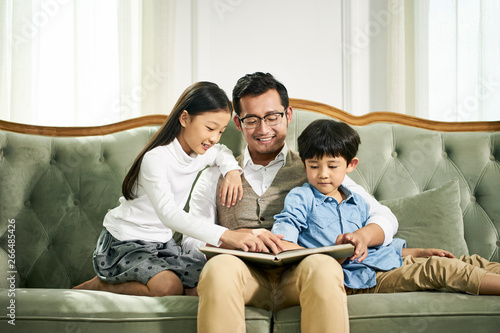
165, 180
203, 196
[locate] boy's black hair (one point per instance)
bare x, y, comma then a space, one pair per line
256, 84
328, 137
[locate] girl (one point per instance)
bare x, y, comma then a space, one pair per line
135, 253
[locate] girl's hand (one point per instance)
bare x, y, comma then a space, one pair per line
231, 188
245, 241
360, 245
417, 252
271, 241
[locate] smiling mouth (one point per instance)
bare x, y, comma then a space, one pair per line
266, 139
205, 146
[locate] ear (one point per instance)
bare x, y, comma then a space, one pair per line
289, 114
237, 122
184, 118
352, 165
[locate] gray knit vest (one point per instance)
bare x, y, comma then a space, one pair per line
258, 212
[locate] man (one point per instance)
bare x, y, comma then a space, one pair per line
270, 171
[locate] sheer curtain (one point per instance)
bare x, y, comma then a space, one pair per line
84, 63
443, 59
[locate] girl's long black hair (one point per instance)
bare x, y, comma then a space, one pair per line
197, 98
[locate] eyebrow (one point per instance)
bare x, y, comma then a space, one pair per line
267, 112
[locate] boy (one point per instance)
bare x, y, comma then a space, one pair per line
322, 212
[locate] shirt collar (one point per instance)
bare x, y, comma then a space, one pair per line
321, 198
180, 154
280, 158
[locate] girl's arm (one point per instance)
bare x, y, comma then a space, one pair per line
202, 205
231, 189
153, 178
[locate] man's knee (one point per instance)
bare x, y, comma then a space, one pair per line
321, 269
221, 272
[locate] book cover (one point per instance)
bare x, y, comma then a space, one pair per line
282, 258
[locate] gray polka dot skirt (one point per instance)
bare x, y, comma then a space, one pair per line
118, 261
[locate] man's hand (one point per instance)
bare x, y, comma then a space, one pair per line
417, 252
243, 240
360, 245
273, 242
231, 188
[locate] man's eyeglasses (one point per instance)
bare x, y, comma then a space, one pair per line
271, 119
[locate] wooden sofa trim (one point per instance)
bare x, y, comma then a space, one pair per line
369, 118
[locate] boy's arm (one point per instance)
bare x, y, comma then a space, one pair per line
363, 238
292, 219
380, 216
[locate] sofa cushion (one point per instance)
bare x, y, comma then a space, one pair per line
59, 310
430, 312
432, 219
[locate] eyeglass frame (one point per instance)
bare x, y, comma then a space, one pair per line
282, 114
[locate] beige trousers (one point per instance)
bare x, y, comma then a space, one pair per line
227, 284
463, 274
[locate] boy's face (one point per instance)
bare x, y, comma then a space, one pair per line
326, 174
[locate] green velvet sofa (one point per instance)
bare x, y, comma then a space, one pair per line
442, 180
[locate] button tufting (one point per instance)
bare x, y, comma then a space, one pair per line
394, 154
101, 159
445, 154
472, 198
492, 157
262, 219
27, 203
52, 161
76, 202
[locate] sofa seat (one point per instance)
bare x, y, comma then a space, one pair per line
63, 310
429, 312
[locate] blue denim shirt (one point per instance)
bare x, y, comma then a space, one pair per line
312, 219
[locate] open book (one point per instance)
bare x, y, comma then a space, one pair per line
283, 258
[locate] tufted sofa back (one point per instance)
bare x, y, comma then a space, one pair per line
56, 190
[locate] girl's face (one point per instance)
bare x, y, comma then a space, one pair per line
200, 132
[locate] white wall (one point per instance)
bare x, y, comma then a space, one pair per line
322, 50
299, 42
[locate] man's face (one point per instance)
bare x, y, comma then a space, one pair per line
264, 141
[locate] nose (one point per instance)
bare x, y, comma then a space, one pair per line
322, 173
263, 127
214, 138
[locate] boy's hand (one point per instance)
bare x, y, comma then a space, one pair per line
360, 245
417, 252
231, 188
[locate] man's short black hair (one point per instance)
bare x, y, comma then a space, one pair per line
256, 84
328, 137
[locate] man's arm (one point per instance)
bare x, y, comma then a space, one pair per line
385, 224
